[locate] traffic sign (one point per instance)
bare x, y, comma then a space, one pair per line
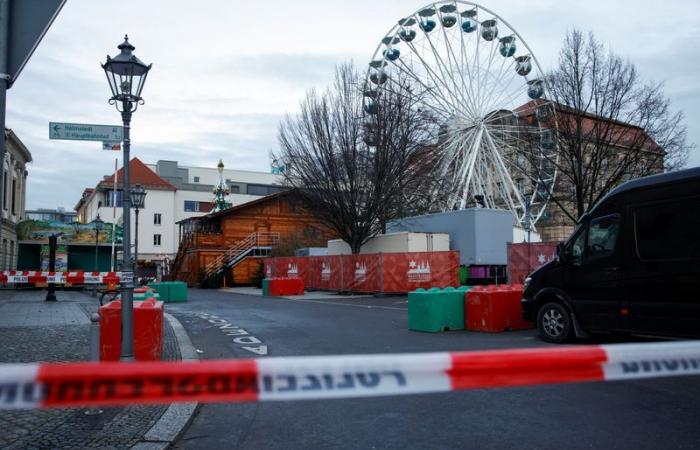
85, 132
28, 22
116, 146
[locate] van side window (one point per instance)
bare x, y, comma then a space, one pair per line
602, 237
578, 246
668, 231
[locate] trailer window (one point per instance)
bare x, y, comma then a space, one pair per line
668, 231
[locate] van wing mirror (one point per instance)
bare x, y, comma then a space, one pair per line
561, 252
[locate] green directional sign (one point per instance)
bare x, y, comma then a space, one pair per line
85, 132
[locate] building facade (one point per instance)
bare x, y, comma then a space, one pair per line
14, 196
173, 193
607, 146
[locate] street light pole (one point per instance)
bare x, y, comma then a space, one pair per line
138, 197
126, 75
99, 223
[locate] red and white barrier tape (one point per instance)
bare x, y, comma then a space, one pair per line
319, 377
33, 277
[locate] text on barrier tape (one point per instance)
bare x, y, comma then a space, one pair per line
317, 377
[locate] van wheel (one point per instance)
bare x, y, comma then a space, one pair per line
554, 323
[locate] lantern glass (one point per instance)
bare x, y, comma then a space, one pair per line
138, 196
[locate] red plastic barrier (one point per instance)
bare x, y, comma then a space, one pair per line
148, 330
495, 309
110, 331
485, 309
285, 286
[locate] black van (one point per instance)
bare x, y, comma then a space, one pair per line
632, 265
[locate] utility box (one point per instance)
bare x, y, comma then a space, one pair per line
311, 251
480, 235
397, 242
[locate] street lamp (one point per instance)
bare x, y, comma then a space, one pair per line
126, 75
99, 226
138, 198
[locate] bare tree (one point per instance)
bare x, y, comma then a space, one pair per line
352, 153
610, 127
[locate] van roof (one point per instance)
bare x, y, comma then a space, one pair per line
652, 180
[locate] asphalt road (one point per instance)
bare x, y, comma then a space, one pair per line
653, 414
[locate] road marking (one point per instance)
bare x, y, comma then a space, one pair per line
243, 338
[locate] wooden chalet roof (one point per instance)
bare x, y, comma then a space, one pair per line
242, 206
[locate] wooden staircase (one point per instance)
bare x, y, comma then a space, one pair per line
256, 244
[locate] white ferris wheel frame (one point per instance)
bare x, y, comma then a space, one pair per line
486, 148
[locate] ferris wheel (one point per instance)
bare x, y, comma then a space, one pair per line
481, 84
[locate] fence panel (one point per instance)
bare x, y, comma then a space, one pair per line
524, 258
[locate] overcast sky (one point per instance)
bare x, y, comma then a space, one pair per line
224, 72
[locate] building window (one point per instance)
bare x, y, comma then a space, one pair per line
156, 240
109, 198
194, 206
259, 189
156, 219
196, 179
14, 196
235, 189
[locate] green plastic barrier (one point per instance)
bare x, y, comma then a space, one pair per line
161, 289
265, 287
177, 291
454, 308
436, 310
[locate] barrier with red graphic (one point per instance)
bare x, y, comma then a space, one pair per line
525, 258
369, 273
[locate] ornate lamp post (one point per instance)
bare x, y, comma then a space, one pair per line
138, 198
99, 226
221, 190
126, 75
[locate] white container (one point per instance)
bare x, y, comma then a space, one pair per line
399, 242
481, 235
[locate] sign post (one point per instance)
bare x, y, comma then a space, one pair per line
23, 23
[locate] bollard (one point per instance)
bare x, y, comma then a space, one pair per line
94, 352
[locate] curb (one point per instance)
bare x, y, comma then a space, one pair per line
175, 419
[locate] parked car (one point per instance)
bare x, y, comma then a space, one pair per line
631, 265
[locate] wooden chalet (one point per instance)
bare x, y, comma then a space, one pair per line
236, 239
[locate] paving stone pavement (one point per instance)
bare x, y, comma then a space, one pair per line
61, 334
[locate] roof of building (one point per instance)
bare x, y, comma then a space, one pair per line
622, 133
245, 205
10, 135
139, 173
